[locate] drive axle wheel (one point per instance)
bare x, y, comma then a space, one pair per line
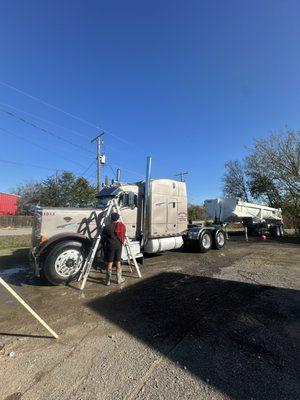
219, 239
205, 241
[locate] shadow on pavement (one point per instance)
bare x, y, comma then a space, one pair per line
239, 337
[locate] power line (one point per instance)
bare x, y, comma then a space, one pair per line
37, 145
30, 165
53, 134
44, 130
111, 168
67, 113
49, 104
92, 175
55, 124
87, 169
124, 140
44, 120
127, 170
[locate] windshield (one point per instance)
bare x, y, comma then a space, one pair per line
103, 200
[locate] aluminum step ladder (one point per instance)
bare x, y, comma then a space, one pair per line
91, 256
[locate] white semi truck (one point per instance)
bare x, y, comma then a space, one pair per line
155, 215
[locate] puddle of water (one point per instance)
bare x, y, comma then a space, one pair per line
18, 274
13, 271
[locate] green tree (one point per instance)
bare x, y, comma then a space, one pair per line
60, 190
196, 212
82, 193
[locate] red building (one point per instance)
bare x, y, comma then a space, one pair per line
8, 204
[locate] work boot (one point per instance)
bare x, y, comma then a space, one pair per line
108, 277
119, 276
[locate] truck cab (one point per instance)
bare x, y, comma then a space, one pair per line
128, 201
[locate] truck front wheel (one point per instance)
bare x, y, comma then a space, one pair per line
63, 262
205, 241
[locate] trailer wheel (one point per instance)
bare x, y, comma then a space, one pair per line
219, 239
281, 231
275, 231
63, 262
205, 241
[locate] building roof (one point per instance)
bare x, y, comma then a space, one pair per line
10, 194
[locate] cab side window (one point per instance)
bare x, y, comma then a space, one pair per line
121, 200
128, 199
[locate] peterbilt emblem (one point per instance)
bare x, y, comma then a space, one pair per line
68, 219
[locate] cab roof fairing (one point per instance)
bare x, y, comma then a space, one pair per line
116, 190
112, 191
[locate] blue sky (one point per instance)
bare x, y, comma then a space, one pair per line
190, 83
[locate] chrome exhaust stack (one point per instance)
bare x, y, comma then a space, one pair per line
118, 175
146, 200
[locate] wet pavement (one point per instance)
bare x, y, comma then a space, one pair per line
220, 325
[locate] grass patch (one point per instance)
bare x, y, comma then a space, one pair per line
14, 250
8, 242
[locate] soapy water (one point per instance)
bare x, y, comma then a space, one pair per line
13, 271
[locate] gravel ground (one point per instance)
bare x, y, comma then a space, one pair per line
221, 325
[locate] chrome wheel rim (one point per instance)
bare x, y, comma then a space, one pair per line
220, 239
206, 241
68, 263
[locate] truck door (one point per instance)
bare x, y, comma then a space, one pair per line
172, 213
128, 207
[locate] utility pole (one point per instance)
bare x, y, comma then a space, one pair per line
181, 174
99, 141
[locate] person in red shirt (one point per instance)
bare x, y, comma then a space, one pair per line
113, 238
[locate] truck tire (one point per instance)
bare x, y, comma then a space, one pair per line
219, 239
281, 230
63, 262
275, 231
205, 241
278, 232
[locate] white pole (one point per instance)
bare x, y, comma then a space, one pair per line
28, 308
226, 232
246, 233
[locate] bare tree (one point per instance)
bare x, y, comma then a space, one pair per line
277, 159
273, 171
234, 182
